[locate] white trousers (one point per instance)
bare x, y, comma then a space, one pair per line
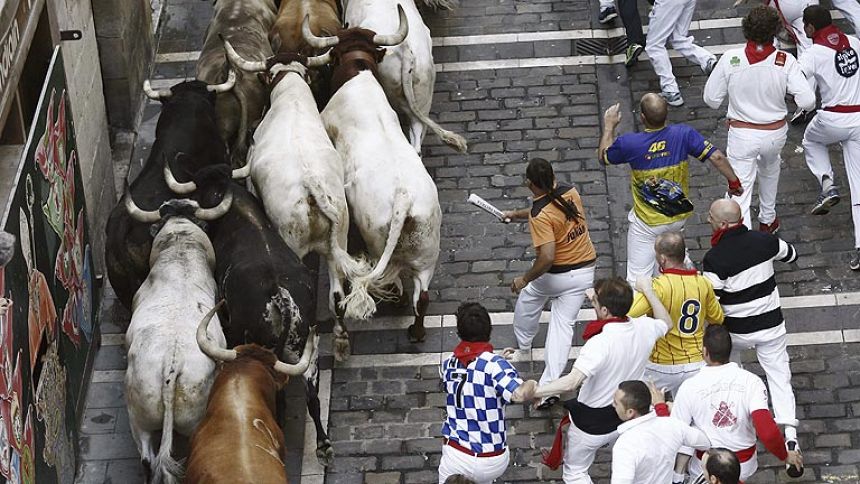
670, 21
483, 470
670, 377
641, 258
851, 9
754, 152
579, 453
566, 291
770, 348
828, 128
791, 12
748, 468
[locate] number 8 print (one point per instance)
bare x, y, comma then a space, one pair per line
689, 322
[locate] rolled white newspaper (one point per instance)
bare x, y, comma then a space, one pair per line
487, 207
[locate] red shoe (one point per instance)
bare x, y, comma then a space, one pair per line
770, 228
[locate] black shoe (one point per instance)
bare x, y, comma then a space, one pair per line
791, 470
633, 53
801, 117
854, 263
826, 200
547, 403
607, 15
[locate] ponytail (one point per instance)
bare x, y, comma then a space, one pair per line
539, 172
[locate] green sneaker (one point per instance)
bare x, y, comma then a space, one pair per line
633, 53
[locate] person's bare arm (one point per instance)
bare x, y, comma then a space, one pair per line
721, 163
521, 214
544, 260
611, 120
644, 285
567, 383
524, 392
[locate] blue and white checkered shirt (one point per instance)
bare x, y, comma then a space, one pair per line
476, 400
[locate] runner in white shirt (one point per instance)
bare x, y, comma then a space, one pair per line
729, 405
616, 350
756, 79
832, 63
647, 444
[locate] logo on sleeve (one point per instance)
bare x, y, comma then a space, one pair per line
724, 416
846, 62
780, 59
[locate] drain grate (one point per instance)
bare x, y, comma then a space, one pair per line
612, 46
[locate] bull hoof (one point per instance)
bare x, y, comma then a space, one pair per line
325, 453
341, 348
416, 333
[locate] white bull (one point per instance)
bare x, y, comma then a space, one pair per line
393, 200
168, 378
408, 73
299, 176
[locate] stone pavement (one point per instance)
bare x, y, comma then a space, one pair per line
385, 404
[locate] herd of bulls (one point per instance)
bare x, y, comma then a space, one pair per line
308, 110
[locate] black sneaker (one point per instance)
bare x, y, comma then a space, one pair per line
547, 403
854, 263
709, 67
607, 15
801, 117
826, 199
633, 53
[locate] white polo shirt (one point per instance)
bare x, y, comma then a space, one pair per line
619, 353
720, 401
645, 451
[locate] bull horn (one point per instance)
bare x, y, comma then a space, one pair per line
313, 40
397, 37
243, 172
217, 211
239, 61
224, 86
319, 60
208, 347
139, 214
302, 365
153, 94
177, 186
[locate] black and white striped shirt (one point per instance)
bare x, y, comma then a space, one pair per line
740, 267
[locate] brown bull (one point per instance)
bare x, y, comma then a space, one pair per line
286, 36
239, 439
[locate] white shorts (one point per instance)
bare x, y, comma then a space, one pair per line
670, 377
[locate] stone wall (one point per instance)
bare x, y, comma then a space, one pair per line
125, 41
83, 74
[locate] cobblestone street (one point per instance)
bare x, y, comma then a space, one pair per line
522, 79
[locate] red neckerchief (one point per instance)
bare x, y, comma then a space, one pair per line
468, 351
718, 234
596, 327
758, 52
680, 272
831, 37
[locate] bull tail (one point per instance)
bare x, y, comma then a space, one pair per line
450, 138
346, 265
441, 4
165, 466
359, 304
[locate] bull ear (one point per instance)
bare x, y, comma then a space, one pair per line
275, 40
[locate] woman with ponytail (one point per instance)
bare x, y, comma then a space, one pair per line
562, 272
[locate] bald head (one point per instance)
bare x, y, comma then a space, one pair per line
654, 110
726, 210
671, 246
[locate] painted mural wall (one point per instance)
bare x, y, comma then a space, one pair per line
48, 327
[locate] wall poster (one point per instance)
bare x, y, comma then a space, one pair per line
47, 331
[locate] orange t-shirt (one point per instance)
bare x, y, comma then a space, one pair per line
548, 223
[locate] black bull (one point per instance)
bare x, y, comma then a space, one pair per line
268, 290
186, 125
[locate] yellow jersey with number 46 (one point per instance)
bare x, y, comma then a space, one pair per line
689, 298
